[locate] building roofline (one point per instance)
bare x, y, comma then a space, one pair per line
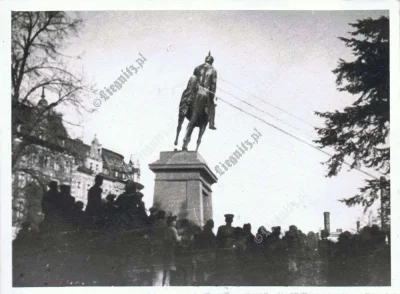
113, 152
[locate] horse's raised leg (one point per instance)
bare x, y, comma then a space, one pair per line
178, 129
202, 129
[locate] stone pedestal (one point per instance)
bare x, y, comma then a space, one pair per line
183, 185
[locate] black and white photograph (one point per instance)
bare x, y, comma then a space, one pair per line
200, 147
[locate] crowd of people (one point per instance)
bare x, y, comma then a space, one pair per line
180, 252
62, 212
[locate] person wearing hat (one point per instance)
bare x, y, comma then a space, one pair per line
94, 197
153, 215
66, 202
171, 239
274, 241
225, 234
128, 206
49, 203
126, 200
293, 243
205, 244
226, 255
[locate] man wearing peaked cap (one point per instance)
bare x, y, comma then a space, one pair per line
225, 234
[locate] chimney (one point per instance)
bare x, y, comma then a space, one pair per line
327, 224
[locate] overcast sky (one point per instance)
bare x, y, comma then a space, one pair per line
283, 57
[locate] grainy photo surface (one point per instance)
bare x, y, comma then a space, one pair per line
200, 148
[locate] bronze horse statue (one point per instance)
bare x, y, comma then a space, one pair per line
197, 103
193, 107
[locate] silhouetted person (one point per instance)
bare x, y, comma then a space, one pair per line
248, 237
171, 239
225, 234
185, 252
78, 214
239, 256
294, 244
294, 239
239, 237
153, 216
312, 240
51, 206
273, 239
131, 210
110, 211
110, 201
66, 202
94, 197
226, 254
261, 239
126, 200
206, 239
205, 244
50, 199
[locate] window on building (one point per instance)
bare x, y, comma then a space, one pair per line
79, 185
91, 166
97, 167
56, 166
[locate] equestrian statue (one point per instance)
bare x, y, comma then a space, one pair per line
197, 102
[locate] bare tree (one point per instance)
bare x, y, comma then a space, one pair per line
37, 62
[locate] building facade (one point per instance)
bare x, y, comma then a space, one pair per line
46, 153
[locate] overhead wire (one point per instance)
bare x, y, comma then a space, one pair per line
289, 134
263, 111
266, 102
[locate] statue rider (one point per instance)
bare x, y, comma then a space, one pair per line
204, 83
